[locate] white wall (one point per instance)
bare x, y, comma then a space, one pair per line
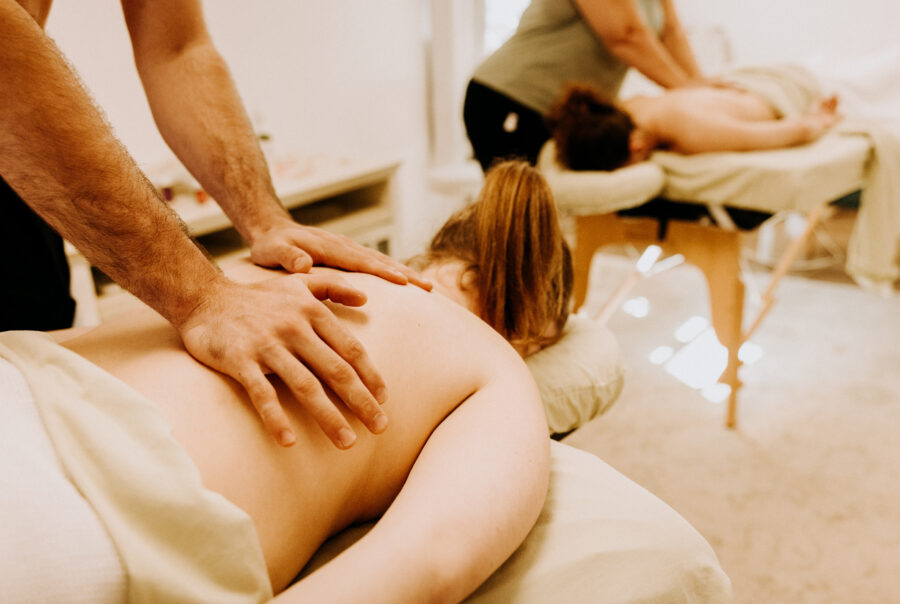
765, 31
343, 76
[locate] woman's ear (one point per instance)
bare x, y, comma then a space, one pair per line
640, 145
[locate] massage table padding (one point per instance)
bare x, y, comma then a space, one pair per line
580, 376
602, 192
599, 538
796, 178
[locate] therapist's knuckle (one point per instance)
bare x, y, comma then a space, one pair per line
259, 393
271, 413
340, 372
353, 351
306, 386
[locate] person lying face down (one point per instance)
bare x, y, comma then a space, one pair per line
466, 445
504, 258
594, 133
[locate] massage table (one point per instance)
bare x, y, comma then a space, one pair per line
698, 206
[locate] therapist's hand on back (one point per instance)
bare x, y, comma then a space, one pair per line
281, 326
296, 248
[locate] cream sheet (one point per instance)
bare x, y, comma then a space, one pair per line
178, 542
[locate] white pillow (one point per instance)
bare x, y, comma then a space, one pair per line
580, 376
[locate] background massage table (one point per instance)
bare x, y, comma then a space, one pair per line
697, 206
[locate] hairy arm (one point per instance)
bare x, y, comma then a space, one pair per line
628, 37
471, 497
199, 113
198, 110
58, 153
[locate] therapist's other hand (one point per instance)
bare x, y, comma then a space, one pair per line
281, 326
296, 248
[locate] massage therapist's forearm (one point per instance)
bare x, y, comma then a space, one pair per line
197, 109
675, 40
59, 154
629, 39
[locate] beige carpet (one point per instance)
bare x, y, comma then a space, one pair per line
802, 501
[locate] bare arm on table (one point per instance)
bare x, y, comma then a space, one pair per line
689, 131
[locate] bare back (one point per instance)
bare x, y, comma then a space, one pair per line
432, 353
655, 112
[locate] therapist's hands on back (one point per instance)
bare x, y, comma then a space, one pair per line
280, 326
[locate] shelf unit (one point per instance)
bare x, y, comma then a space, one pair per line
354, 198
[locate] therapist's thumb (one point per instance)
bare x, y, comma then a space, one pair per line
298, 261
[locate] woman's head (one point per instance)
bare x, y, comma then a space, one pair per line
516, 261
590, 132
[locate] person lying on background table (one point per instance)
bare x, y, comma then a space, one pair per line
59, 155
558, 41
592, 132
467, 447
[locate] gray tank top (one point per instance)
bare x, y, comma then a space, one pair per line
551, 47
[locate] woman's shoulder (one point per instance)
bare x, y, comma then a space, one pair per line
408, 309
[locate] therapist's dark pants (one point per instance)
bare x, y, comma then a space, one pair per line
34, 274
500, 128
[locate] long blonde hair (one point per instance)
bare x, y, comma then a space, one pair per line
510, 240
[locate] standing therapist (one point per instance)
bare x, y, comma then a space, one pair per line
60, 157
561, 41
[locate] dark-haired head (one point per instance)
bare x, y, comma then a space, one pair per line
512, 245
590, 131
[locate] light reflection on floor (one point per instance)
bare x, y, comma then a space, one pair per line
699, 359
636, 307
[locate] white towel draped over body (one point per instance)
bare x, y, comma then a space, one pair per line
177, 541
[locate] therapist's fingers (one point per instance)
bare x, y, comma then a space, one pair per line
335, 355
265, 400
274, 326
335, 288
296, 247
310, 394
276, 250
338, 251
341, 362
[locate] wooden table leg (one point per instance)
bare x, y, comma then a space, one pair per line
717, 253
597, 230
